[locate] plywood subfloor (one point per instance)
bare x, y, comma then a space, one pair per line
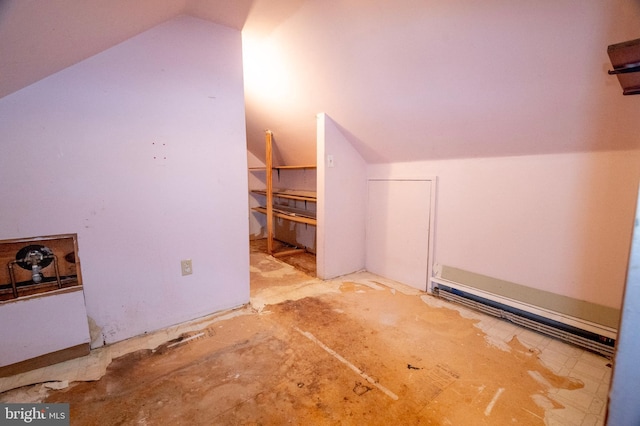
359, 350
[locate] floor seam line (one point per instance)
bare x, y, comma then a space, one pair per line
343, 360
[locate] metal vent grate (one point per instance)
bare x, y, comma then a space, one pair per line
589, 342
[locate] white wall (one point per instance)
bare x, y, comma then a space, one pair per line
342, 198
557, 222
141, 151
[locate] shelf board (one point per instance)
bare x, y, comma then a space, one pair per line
290, 194
294, 211
311, 166
293, 216
302, 167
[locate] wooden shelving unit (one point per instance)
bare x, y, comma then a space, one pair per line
625, 58
283, 211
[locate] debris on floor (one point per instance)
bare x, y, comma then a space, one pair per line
358, 350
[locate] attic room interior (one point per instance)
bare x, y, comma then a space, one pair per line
463, 178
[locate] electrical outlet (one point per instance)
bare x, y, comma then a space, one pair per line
187, 268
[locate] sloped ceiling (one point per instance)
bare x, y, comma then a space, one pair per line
40, 37
429, 79
407, 80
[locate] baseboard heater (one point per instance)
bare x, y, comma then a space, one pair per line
588, 335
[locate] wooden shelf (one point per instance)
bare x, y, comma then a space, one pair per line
289, 214
289, 194
625, 58
311, 166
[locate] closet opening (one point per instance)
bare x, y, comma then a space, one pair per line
283, 203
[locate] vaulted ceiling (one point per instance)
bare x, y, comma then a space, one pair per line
405, 80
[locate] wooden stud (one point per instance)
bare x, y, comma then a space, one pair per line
269, 178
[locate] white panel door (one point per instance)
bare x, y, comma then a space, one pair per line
398, 230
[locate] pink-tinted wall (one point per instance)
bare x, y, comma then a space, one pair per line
141, 151
342, 200
560, 223
42, 325
423, 79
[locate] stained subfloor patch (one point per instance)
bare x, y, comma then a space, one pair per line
351, 358
354, 354
350, 365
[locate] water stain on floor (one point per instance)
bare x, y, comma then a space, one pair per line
361, 355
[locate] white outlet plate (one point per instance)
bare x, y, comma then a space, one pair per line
187, 267
330, 160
